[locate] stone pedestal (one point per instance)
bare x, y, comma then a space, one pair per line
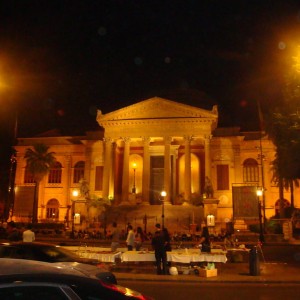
211, 207
240, 225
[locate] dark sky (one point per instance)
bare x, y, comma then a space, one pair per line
60, 60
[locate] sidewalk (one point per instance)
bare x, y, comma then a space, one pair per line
227, 273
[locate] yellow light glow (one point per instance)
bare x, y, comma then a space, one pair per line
259, 192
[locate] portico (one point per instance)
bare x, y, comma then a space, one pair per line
169, 144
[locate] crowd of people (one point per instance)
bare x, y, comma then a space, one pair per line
161, 240
10, 232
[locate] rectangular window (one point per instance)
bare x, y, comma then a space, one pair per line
28, 178
222, 177
99, 178
54, 176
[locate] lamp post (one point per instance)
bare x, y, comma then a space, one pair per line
259, 193
134, 168
163, 194
75, 194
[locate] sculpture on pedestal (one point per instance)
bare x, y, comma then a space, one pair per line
208, 188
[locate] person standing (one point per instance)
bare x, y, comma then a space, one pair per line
205, 240
115, 237
130, 238
13, 234
158, 244
139, 238
28, 235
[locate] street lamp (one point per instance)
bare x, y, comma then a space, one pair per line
75, 194
259, 193
134, 168
163, 194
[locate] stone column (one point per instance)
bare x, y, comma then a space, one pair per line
238, 169
187, 171
68, 177
174, 177
167, 169
68, 203
107, 167
146, 172
125, 177
207, 157
112, 172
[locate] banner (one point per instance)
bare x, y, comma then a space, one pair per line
245, 202
24, 201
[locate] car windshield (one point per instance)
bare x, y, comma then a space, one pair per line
56, 253
48, 253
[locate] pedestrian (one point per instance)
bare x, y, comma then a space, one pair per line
115, 237
204, 241
139, 238
13, 234
130, 238
158, 244
28, 235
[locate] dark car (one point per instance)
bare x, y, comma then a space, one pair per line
55, 254
30, 280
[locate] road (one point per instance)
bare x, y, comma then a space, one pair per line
214, 291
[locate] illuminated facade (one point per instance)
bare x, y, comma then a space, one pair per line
147, 147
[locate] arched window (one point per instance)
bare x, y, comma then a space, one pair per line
52, 211
78, 171
55, 173
250, 170
28, 177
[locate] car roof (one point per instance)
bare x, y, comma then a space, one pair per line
23, 266
29, 244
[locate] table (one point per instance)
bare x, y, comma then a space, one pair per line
179, 256
99, 253
103, 256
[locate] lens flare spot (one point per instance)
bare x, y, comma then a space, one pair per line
281, 45
138, 61
167, 60
243, 103
61, 112
102, 31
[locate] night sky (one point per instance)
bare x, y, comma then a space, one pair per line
62, 60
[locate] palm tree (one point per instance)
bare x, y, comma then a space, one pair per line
38, 162
284, 131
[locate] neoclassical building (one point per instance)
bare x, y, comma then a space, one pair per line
145, 148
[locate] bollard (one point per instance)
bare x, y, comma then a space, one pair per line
254, 268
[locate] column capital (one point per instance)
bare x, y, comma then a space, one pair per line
207, 137
188, 138
168, 139
126, 139
108, 140
146, 139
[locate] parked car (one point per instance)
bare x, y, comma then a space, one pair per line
30, 280
55, 254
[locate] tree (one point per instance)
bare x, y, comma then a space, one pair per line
38, 161
283, 127
286, 165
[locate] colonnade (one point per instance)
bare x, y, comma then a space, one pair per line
108, 176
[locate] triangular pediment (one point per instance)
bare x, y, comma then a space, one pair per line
157, 108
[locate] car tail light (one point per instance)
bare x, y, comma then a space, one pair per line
125, 291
